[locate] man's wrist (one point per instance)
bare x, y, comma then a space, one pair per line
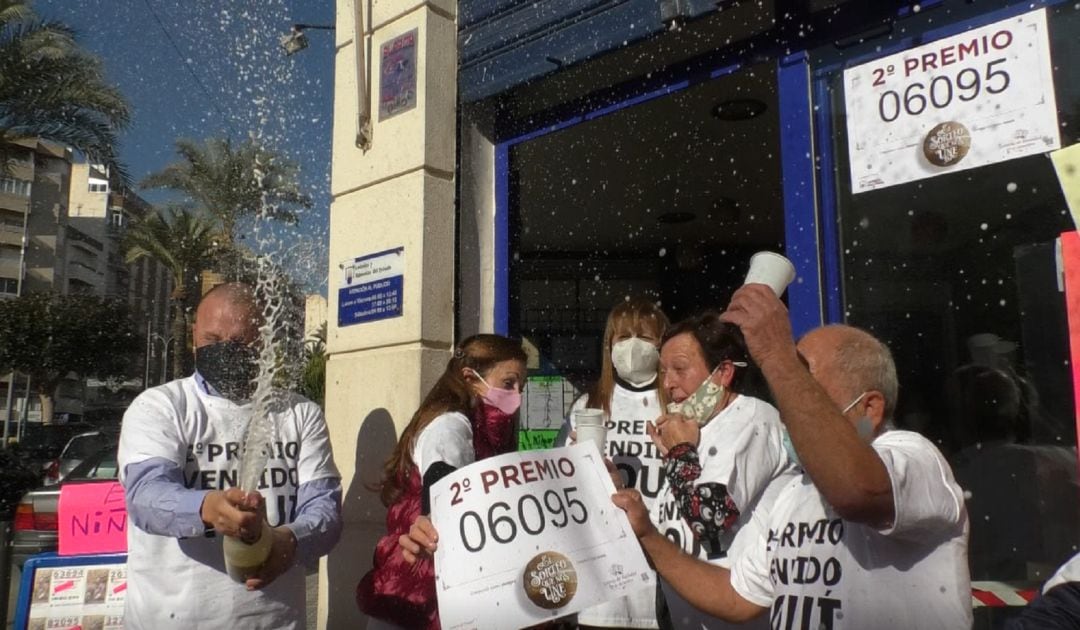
781, 361
286, 543
205, 510
653, 543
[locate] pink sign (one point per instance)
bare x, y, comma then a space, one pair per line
93, 518
1070, 254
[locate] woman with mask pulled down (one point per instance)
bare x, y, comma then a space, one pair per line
627, 393
723, 450
470, 414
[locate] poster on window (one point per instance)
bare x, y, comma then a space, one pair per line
529, 537
977, 98
546, 402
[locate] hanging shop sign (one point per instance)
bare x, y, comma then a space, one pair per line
977, 98
525, 538
371, 287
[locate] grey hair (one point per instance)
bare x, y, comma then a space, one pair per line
867, 364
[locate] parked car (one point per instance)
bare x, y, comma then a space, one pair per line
36, 521
41, 444
78, 448
17, 476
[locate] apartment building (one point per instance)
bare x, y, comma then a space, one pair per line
61, 231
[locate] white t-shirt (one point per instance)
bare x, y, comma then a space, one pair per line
448, 438
181, 583
815, 570
742, 448
633, 451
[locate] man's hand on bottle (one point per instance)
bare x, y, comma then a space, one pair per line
233, 512
281, 558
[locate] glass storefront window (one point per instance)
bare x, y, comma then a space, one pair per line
665, 200
960, 274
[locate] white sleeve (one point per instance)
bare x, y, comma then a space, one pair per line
449, 439
750, 573
316, 459
745, 455
926, 497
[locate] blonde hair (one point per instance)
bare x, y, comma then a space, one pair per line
634, 314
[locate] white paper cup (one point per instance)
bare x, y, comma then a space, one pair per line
771, 269
590, 425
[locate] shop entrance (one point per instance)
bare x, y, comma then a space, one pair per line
666, 198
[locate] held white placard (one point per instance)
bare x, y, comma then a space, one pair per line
977, 98
528, 537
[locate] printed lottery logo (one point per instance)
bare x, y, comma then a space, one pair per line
947, 144
550, 580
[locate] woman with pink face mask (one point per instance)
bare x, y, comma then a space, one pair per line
470, 414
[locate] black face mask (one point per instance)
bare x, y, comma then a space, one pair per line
230, 367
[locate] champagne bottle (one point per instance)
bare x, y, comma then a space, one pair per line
242, 560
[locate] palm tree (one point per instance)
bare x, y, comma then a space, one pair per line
313, 374
185, 243
51, 89
231, 182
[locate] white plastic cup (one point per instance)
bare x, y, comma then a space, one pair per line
590, 425
771, 269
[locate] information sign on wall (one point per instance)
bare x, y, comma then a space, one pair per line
977, 98
397, 87
371, 287
529, 537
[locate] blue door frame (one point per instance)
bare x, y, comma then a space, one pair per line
797, 171
811, 219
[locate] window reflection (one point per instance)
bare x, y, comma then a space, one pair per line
960, 275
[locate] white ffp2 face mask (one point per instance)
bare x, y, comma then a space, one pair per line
635, 361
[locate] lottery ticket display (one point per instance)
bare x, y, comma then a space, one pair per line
86, 597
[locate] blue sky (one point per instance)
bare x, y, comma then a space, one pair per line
226, 76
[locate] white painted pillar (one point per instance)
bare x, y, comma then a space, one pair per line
399, 193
